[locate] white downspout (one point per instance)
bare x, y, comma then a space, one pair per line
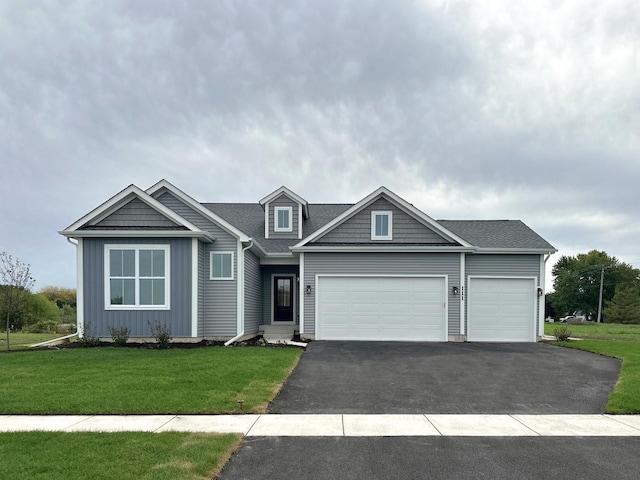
541, 299
79, 287
241, 294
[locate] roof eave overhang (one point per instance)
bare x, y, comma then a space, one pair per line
382, 248
521, 251
204, 236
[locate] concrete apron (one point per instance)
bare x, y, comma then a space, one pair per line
303, 425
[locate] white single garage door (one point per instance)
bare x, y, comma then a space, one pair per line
501, 310
381, 308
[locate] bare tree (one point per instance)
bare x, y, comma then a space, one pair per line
15, 282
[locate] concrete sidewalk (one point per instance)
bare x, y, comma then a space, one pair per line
303, 425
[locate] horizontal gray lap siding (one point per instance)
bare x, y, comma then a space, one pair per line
220, 296
503, 266
382, 264
406, 229
252, 293
98, 319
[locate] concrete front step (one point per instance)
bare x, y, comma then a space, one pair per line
274, 333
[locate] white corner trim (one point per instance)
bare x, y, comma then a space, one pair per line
195, 287
80, 288
239, 288
463, 293
299, 222
266, 220
302, 293
541, 299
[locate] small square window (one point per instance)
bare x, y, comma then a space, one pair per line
381, 225
282, 219
221, 266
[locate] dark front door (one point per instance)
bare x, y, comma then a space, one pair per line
283, 299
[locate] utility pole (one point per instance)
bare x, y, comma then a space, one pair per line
600, 298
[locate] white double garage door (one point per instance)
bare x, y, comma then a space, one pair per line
415, 308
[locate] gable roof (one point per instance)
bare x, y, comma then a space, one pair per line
83, 226
290, 194
398, 202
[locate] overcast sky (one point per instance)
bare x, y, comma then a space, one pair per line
469, 110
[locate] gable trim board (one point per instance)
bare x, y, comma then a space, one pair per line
424, 260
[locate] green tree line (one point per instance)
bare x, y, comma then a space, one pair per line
51, 309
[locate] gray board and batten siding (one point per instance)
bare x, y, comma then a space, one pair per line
219, 300
406, 229
97, 319
437, 264
283, 201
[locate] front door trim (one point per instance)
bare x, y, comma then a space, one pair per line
293, 297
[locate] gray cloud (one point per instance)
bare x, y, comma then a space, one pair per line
468, 110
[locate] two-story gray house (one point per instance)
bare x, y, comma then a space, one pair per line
379, 269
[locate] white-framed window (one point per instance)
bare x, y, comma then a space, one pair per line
137, 277
282, 221
381, 225
221, 266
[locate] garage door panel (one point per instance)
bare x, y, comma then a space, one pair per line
382, 308
501, 309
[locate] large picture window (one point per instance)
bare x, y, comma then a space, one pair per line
221, 266
137, 276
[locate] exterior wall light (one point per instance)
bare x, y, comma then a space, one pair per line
540, 292
456, 290
307, 289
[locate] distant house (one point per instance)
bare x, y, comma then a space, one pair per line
379, 269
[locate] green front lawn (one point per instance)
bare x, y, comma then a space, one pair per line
110, 380
168, 455
613, 340
20, 341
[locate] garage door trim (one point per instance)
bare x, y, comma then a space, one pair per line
318, 276
534, 302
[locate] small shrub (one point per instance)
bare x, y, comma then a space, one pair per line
89, 338
162, 334
119, 336
562, 333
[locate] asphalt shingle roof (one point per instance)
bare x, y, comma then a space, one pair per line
249, 218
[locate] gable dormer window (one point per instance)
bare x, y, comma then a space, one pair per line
381, 225
282, 219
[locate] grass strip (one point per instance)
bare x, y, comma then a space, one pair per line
111, 380
625, 398
63, 456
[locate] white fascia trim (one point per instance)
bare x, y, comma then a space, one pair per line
124, 197
293, 196
380, 248
137, 234
532, 251
463, 282
302, 293
194, 287
199, 208
400, 203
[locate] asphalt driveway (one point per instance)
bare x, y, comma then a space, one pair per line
398, 377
